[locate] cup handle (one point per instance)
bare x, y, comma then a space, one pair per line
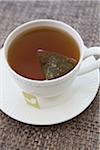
92, 51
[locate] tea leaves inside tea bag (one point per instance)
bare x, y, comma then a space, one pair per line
55, 65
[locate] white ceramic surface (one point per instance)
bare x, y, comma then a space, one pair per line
52, 111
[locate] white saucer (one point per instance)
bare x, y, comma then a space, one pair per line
55, 110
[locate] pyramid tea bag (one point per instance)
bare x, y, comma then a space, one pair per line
55, 65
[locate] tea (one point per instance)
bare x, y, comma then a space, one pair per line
55, 65
22, 53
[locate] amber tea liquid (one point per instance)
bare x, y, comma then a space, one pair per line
22, 53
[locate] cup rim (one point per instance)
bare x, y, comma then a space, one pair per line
37, 21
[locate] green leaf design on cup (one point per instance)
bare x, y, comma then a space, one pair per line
32, 100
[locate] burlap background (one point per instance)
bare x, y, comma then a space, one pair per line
80, 133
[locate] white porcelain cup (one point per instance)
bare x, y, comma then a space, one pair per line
50, 88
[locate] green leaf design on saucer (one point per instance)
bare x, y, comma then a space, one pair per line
32, 100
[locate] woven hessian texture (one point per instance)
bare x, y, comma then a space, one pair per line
80, 133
